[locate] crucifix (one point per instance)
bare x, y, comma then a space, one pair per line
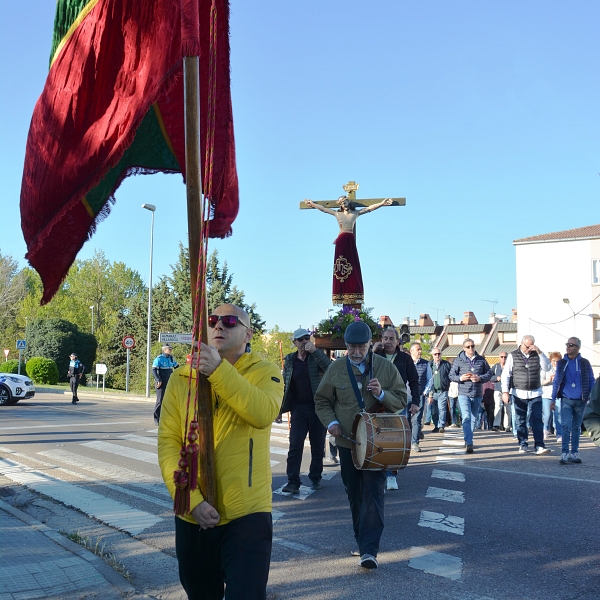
347, 277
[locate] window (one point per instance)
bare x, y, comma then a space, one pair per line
509, 336
595, 271
596, 331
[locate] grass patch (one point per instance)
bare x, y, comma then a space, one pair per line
98, 547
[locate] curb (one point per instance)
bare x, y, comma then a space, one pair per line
107, 572
84, 394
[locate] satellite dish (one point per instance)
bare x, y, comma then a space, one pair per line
500, 316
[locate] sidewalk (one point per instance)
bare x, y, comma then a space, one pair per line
38, 562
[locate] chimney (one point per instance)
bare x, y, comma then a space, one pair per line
513, 318
469, 319
425, 320
385, 321
493, 318
406, 321
447, 320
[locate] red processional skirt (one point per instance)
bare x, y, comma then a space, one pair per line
347, 277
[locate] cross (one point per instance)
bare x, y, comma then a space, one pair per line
350, 189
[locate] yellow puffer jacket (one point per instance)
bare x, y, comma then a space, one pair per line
246, 400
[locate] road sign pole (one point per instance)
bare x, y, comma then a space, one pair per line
127, 374
19, 368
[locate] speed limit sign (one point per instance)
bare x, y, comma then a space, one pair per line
128, 342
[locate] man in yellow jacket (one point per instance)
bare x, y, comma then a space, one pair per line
228, 544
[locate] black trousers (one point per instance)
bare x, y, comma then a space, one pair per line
74, 383
365, 493
304, 420
160, 392
231, 559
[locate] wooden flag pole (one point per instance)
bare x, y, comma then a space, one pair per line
191, 73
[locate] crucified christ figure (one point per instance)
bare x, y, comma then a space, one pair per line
347, 277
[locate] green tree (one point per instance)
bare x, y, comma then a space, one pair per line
273, 345
13, 291
56, 339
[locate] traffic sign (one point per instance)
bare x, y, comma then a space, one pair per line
128, 342
6, 352
175, 338
101, 369
21, 344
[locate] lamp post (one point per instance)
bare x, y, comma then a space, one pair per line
568, 303
151, 208
92, 307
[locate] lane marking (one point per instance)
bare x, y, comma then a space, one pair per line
445, 458
294, 545
139, 439
124, 451
302, 494
276, 514
113, 513
442, 494
274, 462
436, 563
535, 474
59, 425
454, 442
462, 450
153, 430
286, 441
109, 471
449, 475
441, 522
275, 450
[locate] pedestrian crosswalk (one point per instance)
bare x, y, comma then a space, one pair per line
115, 480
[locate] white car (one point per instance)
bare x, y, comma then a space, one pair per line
14, 388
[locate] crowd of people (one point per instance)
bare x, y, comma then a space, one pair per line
225, 547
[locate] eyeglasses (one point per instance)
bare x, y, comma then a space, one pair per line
304, 338
471, 346
435, 353
503, 356
568, 345
229, 321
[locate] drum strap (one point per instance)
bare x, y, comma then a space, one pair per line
359, 399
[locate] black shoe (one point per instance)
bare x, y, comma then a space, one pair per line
291, 488
315, 484
435, 430
279, 420
73, 401
469, 448
421, 435
441, 430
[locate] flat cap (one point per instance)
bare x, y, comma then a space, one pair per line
358, 333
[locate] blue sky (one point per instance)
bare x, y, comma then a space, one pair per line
484, 115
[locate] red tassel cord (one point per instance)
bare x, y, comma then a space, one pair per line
182, 496
192, 452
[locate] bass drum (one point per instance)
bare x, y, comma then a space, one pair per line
382, 441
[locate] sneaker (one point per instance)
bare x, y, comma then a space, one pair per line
441, 430
354, 552
546, 434
469, 448
415, 448
564, 458
542, 450
290, 488
435, 430
496, 429
523, 449
575, 458
559, 439
368, 561
334, 459
455, 426
315, 484
392, 483
428, 423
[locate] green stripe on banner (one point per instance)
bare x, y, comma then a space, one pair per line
67, 12
149, 150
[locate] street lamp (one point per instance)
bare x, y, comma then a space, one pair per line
92, 319
151, 208
568, 303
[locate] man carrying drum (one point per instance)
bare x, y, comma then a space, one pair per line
360, 381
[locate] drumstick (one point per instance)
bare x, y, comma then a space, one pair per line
349, 439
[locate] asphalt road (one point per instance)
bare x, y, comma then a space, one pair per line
488, 526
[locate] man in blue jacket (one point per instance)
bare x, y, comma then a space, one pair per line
438, 395
162, 368
470, 370
573, 383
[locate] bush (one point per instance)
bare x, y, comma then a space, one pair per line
12, 366
42, 370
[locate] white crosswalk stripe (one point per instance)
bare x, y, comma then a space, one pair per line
124, 451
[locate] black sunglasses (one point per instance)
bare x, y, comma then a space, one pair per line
469, 346
229, 321
304, 338
571, 345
